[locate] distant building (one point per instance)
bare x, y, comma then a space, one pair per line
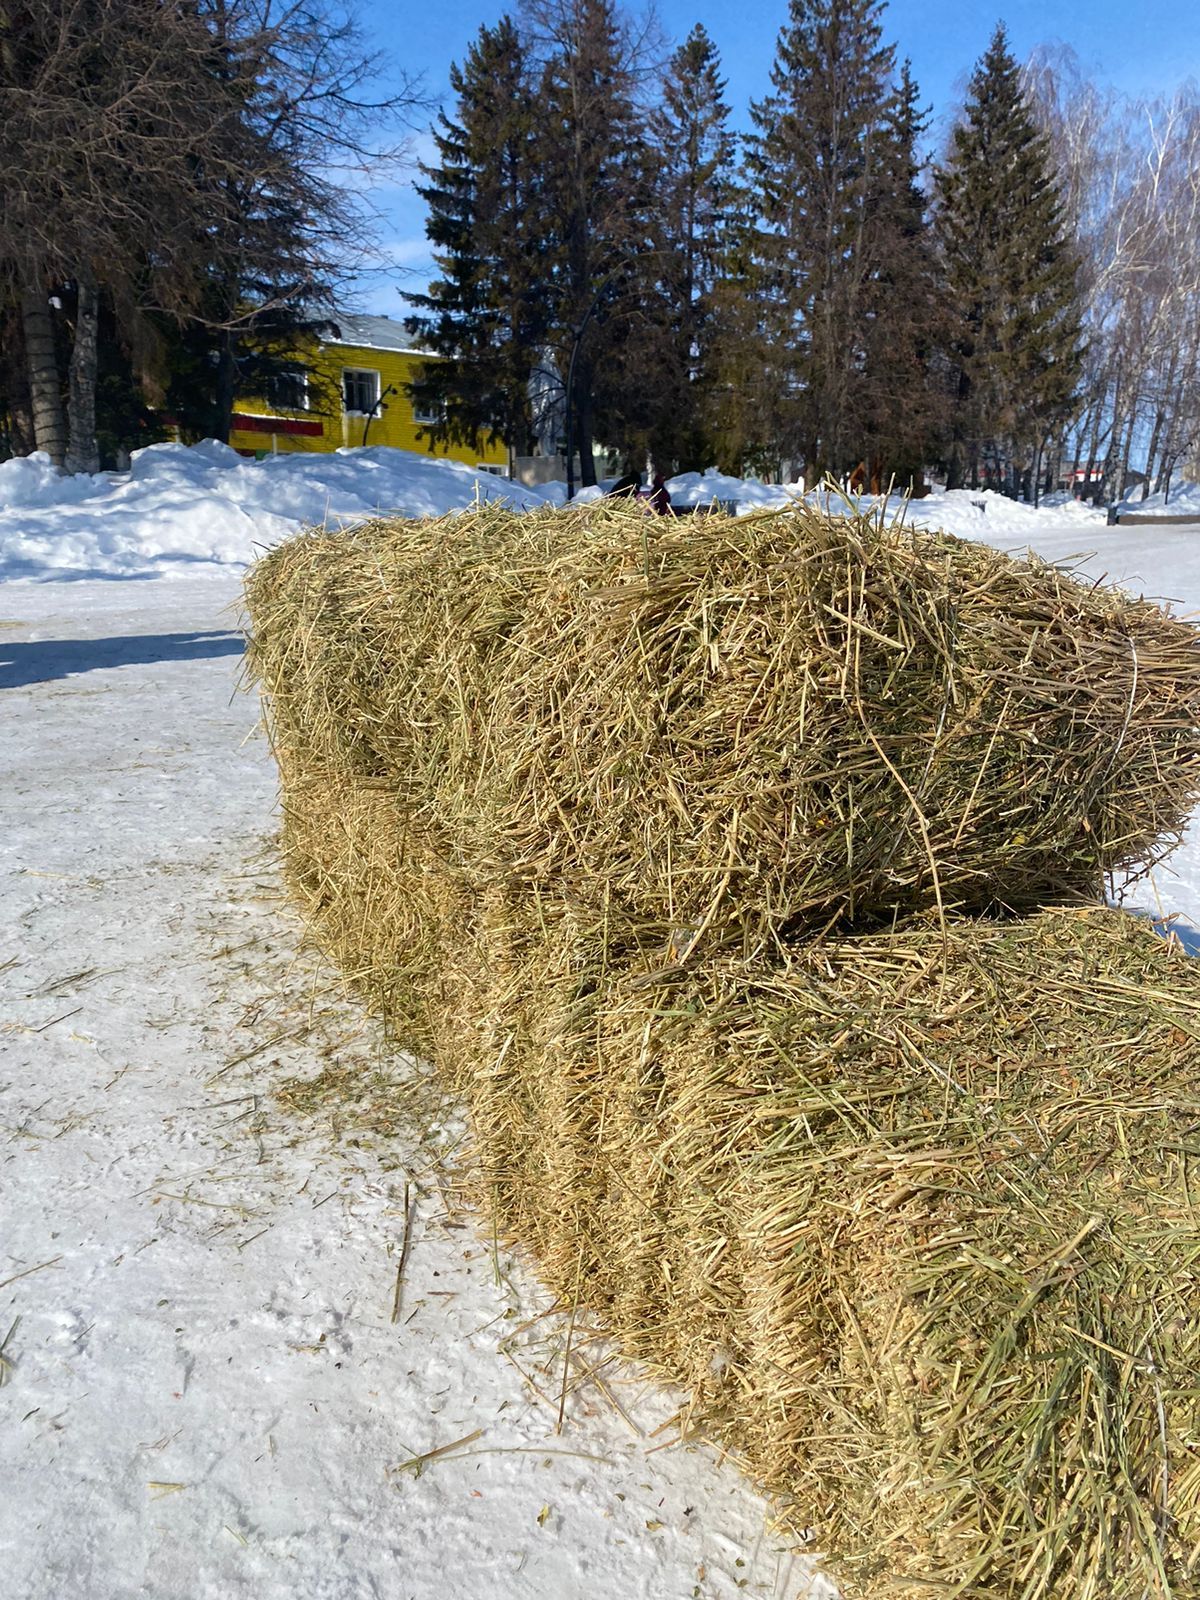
366, 366
1081, 482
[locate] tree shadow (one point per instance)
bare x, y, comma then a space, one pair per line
40, 660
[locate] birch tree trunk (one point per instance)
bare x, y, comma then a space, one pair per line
1152, 450
83, 452
45, 396
1126, 454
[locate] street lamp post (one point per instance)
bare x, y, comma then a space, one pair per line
375, 410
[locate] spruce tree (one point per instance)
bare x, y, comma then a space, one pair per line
602, 244
696, 201
906, 400
486, 314
1011, 279
818, 158
742, 397
544, 232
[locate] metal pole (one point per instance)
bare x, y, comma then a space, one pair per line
375, 410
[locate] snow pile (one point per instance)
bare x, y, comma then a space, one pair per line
203, 507
980, 514
32, 481
702, 488
995, 519
1182, 500
204, 504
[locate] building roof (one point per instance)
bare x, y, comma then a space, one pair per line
371, 333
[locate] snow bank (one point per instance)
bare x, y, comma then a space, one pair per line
205, 507
702, 488
995, 519
31, 481
970, 513
1182, 500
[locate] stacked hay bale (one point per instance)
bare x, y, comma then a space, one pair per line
727, 870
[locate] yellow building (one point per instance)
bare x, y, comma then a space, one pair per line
368, 364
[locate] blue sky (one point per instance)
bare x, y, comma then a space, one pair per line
1148, 47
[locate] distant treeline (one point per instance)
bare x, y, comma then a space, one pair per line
615, 265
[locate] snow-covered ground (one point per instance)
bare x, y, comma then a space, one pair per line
212, 1390
1181, 500
236, 1313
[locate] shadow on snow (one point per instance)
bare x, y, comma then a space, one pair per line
40, 660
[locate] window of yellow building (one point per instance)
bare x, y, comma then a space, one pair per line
360, 390
288, 391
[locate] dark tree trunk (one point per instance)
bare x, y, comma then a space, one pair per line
45, 393
1089, 489
1052, 465
225, 395
1076, 458
583, 435
83, 453
21, 439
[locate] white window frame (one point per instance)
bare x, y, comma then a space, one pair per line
362, 372
491, 469
427, 419
305, 396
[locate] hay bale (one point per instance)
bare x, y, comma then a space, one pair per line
910, 1216
918, 1237
908, 1212
730, 731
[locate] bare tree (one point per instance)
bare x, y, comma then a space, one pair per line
1132, 175
107, 114
180, 159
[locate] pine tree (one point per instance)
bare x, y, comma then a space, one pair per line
906, 396
818, 158
742, 396
696, 201
1011, 277
602, 245
543, 230
486, 313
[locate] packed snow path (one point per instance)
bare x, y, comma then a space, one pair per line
231, 1331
